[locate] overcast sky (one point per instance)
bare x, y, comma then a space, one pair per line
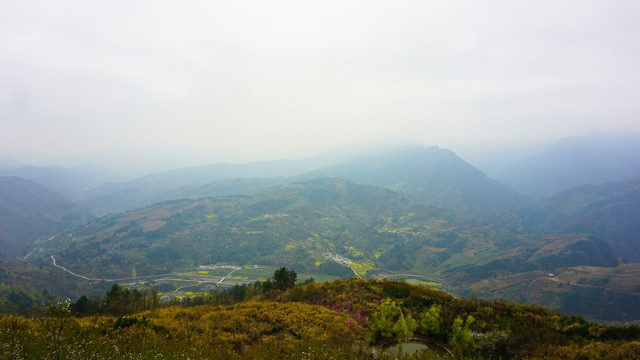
266, 79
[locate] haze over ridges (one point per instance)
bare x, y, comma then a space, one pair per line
257, 80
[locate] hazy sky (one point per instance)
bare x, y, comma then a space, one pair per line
261, 79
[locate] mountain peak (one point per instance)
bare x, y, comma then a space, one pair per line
432, 176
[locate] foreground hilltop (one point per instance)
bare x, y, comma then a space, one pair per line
340, 319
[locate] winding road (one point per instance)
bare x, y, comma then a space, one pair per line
198, 280
99, 279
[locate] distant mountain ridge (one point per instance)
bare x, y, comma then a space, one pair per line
591, 159
29, 211
67, 182
432, 176
114, 198
214, 179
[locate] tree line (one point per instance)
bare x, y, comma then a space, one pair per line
120, 300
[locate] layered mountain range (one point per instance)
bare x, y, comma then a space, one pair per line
413, 209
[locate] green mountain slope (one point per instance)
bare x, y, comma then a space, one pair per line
295, 222
322, 226
432, 176
29, 211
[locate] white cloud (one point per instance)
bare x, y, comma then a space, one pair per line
265, 78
